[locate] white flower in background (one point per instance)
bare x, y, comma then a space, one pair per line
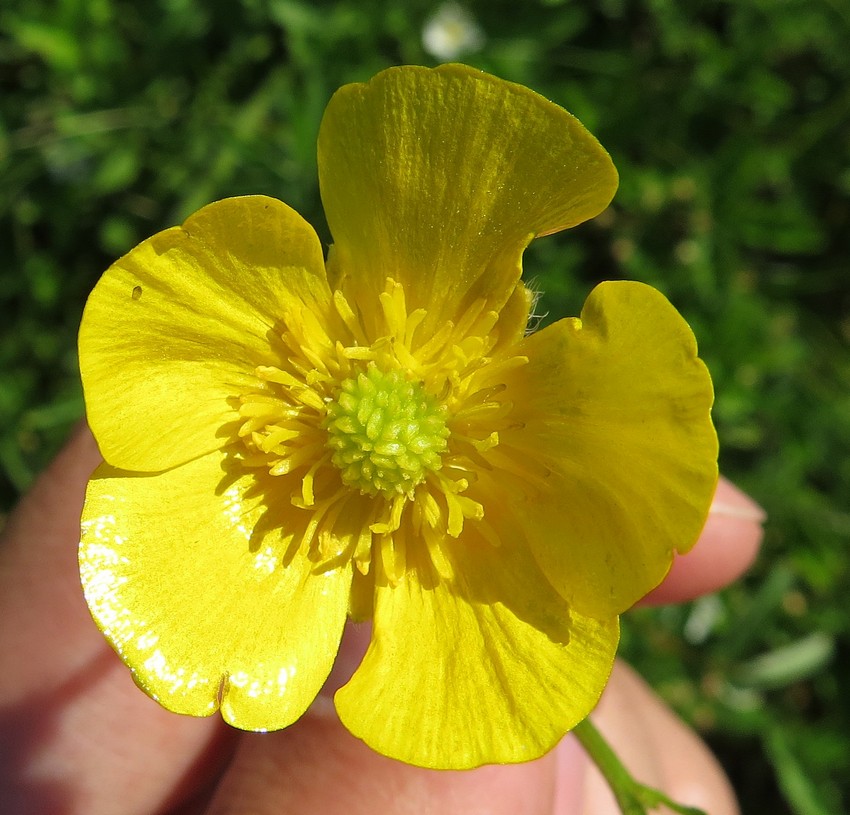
451, 32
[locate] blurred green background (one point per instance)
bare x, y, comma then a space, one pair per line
730, 125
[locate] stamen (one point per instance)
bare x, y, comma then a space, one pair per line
349, 318
483, 445
295, 387
393, 557
467, 320
434, 543
487, 532
494, 372
487, 413
307, 494
275, 436
414, 320
394, 308
332, 545
295, 459
528, 473
436, 343
393, 520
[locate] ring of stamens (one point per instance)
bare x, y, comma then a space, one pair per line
391, 431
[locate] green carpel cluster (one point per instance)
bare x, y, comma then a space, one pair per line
385, 432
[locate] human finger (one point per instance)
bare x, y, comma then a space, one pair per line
726, 548
656, 747
317, 766
76, 734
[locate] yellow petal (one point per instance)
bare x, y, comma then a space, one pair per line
173, 331
439, 178
491, 669
205, 614
615, 409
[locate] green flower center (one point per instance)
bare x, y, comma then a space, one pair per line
385, 433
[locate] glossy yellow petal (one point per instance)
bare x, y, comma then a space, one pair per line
614, 409
199, 604
173, 331
492, 668
439, 178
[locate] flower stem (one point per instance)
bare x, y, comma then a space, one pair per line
633, 798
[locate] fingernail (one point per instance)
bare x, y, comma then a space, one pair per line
731, 502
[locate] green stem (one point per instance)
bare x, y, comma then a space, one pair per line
633, 798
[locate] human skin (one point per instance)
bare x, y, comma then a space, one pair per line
77, 737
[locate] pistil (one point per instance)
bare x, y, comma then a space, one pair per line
385, 432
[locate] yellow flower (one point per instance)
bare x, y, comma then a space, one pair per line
290, 442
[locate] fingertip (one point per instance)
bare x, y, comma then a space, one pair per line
730, 501
725, 550
657, 748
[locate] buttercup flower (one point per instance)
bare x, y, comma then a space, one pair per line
290, 442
